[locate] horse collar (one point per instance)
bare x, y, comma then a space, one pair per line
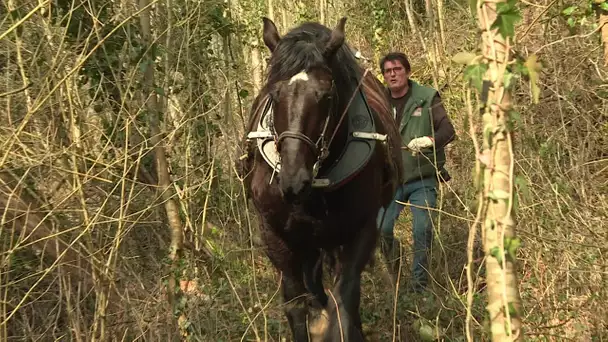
359, 147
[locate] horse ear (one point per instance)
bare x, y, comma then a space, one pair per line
271, 34
336, 40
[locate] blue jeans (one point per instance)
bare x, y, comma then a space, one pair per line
420, 194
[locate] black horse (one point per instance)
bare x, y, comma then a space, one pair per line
322, 155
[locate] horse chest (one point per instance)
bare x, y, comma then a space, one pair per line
316, 222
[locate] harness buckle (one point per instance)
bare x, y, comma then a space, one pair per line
320, 182
259, 134
368, 135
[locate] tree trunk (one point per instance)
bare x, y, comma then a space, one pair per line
441, 21
284, 19
256, 65
604, 24
270, 10
164, 182
504, 303
322, 5
409, 10
433, 52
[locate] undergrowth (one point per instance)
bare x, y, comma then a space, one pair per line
84, 238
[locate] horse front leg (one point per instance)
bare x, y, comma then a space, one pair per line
290, 265
313, 278
295, 306
305, 326
345, 299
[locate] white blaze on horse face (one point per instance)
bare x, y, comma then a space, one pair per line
297, 122
291, 149
301, 76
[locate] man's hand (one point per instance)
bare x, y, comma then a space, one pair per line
419, 143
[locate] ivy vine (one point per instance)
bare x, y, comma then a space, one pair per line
580, 14
508, 15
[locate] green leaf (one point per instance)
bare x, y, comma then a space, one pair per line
569, 10
474, 74
519, 67
508, 79
215, 231
160, 91
495, 252
464, 57
515, 116
571, 22
511, 247
507, 16
604, 6
243, 93
534, 68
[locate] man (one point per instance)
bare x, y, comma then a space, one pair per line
425, 130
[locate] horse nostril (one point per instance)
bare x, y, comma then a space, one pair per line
289, 194
296, 185
306, 184
293, 192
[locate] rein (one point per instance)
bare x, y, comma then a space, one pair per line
347, 106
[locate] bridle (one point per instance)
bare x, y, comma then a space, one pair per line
320, 148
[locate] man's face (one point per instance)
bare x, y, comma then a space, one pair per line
395, 75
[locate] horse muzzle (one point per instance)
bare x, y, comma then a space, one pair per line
295, 185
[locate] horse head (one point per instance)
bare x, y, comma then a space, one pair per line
303, 93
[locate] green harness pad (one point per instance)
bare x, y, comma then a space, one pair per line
359, 147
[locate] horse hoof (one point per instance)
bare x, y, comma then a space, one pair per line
318, 326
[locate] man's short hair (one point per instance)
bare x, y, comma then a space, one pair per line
395, 56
